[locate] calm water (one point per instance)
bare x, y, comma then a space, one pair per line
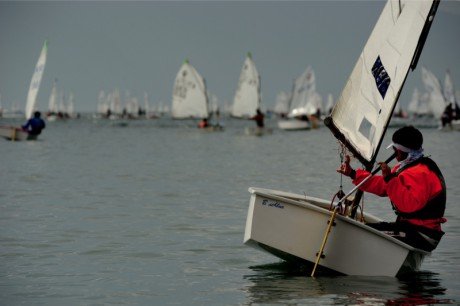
154, 213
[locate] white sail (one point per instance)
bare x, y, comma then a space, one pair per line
449, 91
435, 97
330, 103
302, 86
213, 102
35, 82
189, 99
115, 102
366, 104
102, 103
282, 102
305, 100
414, 103
52, 103
146, 104
247, 97
71, 105
424, 108
61, 107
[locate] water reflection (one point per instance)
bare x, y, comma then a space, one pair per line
286, 283
420, 288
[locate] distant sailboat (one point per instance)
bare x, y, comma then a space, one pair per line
247, 96
304, 102
436, 101
115, 111
70, 108
36, 81
189, 99
102, 105
330, 104
282, 104
17, 133
452, 112
52, 103
150, 113
449, 91
413, 106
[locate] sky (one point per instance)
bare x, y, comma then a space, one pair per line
140, 46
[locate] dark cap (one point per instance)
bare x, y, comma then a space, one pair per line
409, 137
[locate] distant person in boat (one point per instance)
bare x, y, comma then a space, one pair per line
259, 118
415, 187
35, 125
203, 123
447, 115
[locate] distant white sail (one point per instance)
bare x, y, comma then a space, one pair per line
102, 103
189, 98
330, 103
62, 108
52, 103
366, 104
213, 102
115, 102
71, 105
146, 103
304, 89
247, 96
35, 82
414, 103
282, 102
305, 100
433, 87
449, 91
423, 108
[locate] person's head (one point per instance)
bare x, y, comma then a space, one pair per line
258, 111
37, 114
405, 140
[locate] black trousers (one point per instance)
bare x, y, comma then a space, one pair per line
416, 236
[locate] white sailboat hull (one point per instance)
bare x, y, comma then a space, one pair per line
292, 227
292, 125
15, 133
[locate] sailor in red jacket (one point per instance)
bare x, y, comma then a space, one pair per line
415, 187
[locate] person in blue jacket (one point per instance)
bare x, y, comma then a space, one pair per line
35, 125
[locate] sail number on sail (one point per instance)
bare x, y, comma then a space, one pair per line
382, 79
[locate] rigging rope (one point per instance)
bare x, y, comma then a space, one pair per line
340, 194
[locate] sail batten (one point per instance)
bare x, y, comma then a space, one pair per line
364, 109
